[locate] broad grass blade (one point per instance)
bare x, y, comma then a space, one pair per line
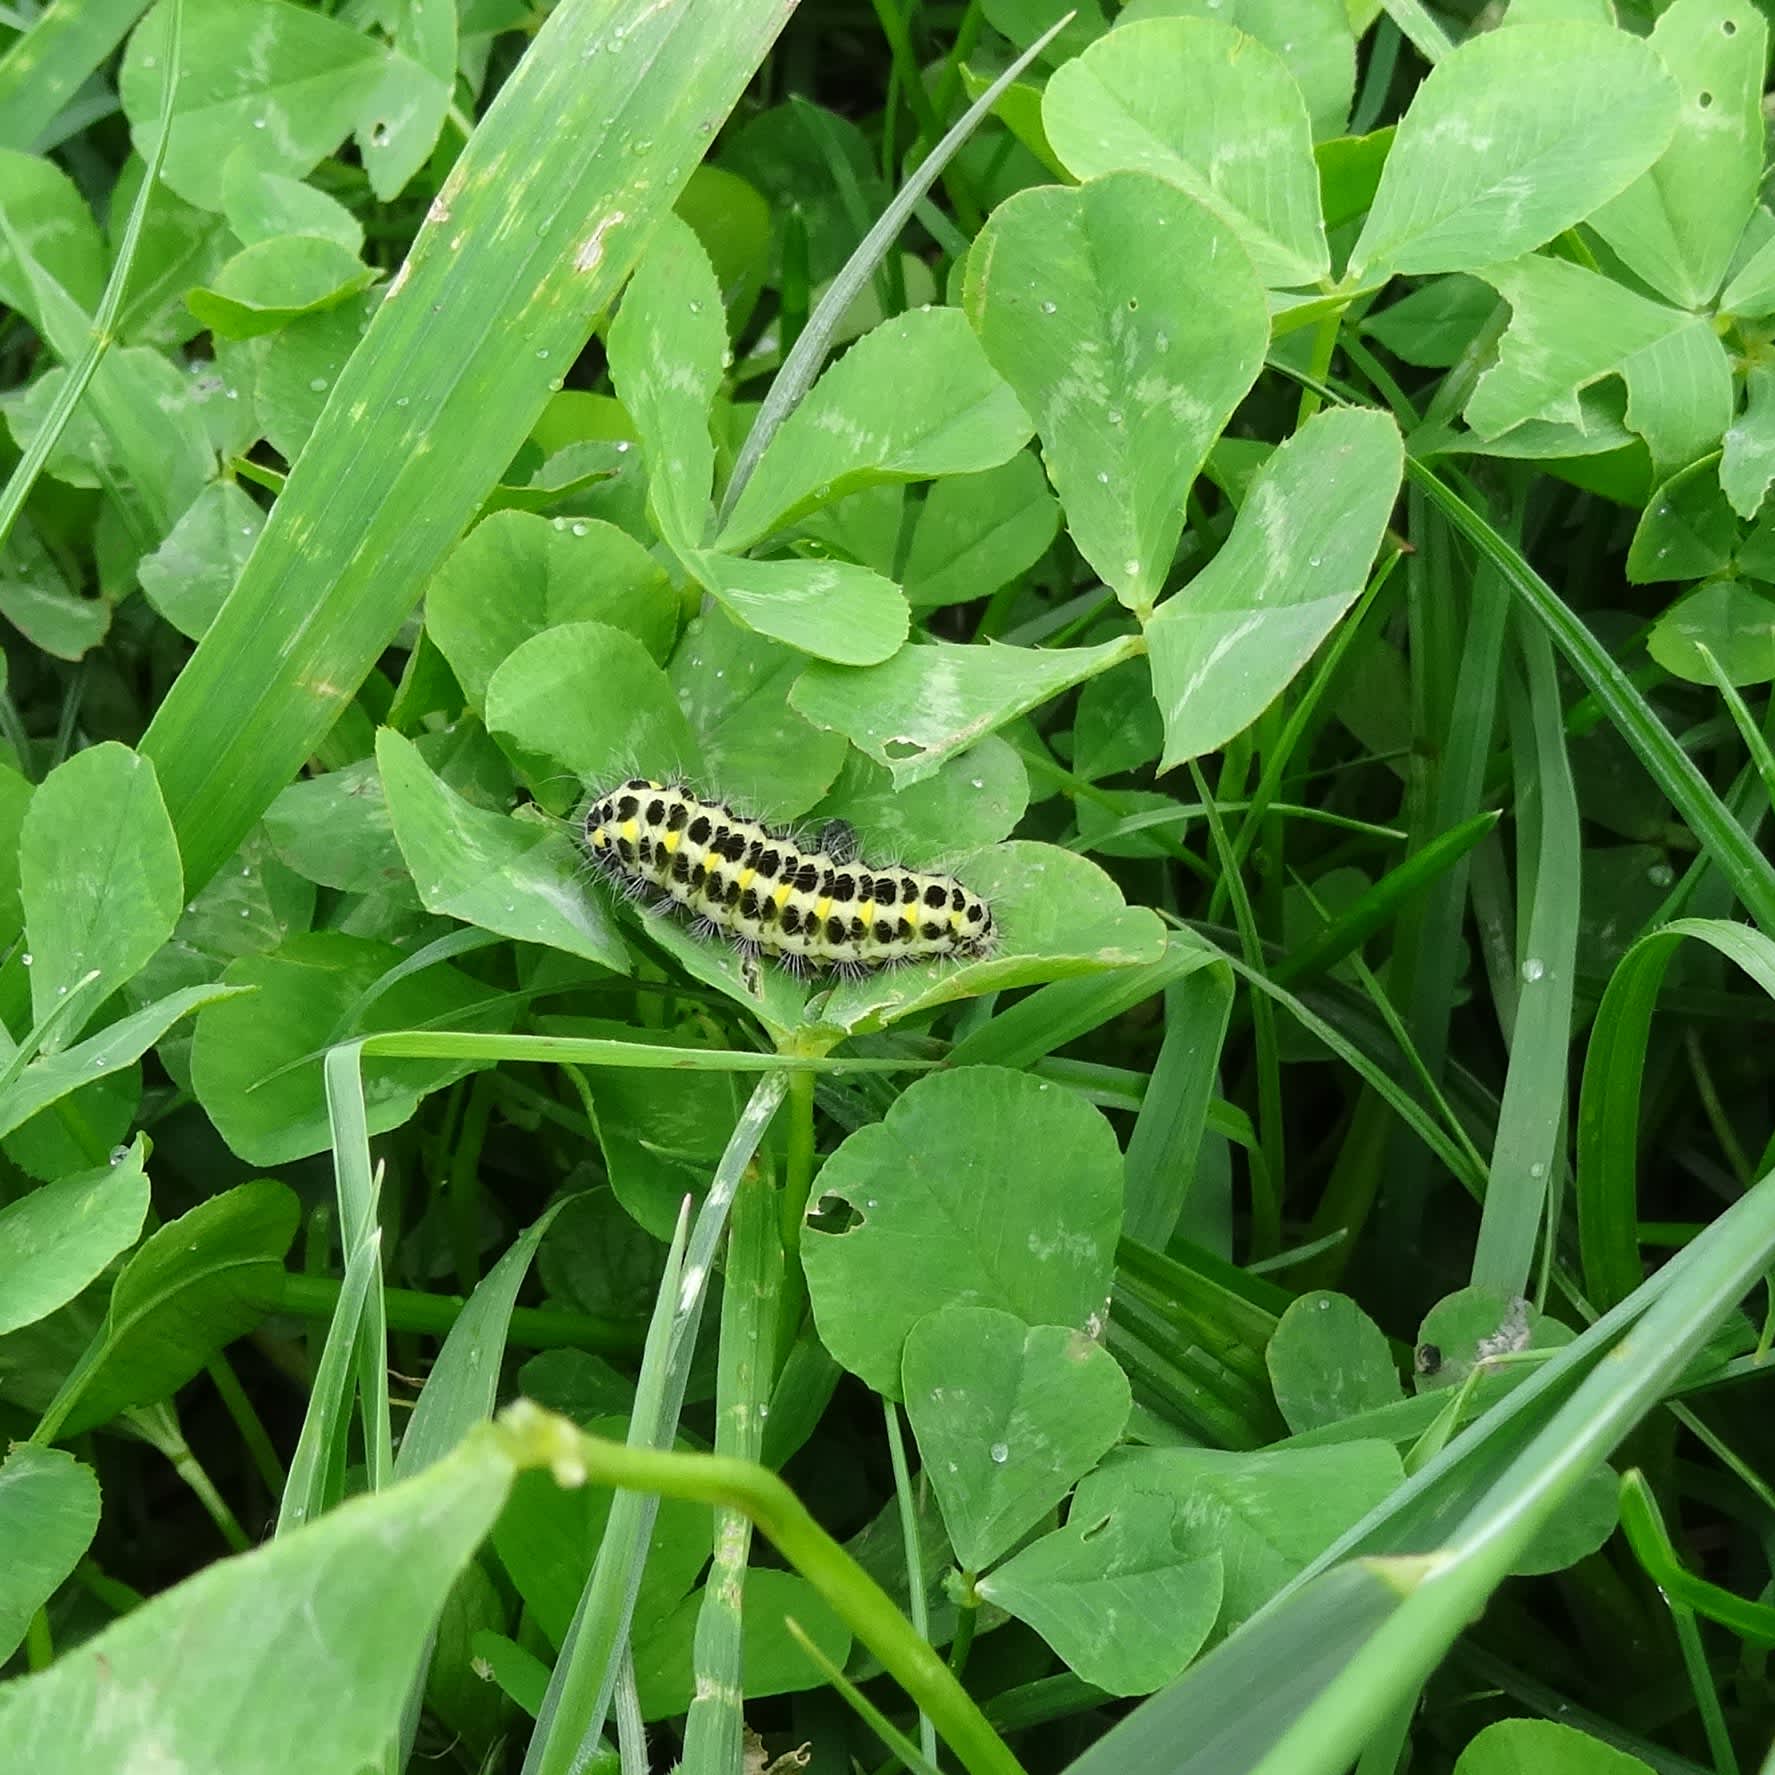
548, 209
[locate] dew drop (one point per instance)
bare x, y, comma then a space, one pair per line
258, 123
1050, 308
26, 960
119, 1154
1660, 875
317, 383
1000, 1454
1130, 567
1533, 969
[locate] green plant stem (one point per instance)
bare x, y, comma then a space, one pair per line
465, 1044
966, 1620
464, 1193
248, 1422
190, 1469
864, 1605
803, 363
1266, 1195
713, 1730
411, 1309
583, 1682
39, 1647
916, 1607
798, 1164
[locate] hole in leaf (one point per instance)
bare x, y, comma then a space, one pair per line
834, 1214
1729, 27
1704, 100
903, 748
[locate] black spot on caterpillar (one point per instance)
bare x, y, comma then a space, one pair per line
757, 886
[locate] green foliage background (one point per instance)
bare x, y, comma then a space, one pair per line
1275, 496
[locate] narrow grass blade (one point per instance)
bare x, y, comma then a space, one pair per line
588, 144
1062, 1011
1755, 742
463, 1384
357, 1192
31, 68
917, 1608
1379, 907
451, 1044
1526, 1153
920, 1762
585, 1672
319, 1461
803, 363
1750, 873
752, 1286
1643, 1524
1609, 1099
1161, 1158
580, 1690
1402, 1104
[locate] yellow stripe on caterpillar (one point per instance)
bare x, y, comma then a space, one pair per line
768, 894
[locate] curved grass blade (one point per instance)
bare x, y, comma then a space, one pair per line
1609, 1098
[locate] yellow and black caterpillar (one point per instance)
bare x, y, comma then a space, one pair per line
761, 889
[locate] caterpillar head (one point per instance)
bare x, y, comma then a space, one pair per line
976, 936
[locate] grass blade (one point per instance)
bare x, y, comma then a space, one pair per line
527, 243
1750, 873
803, 363
22, 69
44, 68
753, 1280
584, 1679
1609, 1099
358, 1189
1526, 1153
